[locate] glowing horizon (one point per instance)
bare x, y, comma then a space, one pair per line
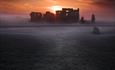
55, 8
47, 5
99, 7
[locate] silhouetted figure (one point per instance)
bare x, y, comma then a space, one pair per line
96, 30
93, 18
82, 20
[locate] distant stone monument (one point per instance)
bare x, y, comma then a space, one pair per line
49, 17
36, 16
93, 18
82, 20
67, 15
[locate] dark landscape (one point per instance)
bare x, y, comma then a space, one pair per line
57, 34
57, 48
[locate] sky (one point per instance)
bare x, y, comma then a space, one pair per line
101, 8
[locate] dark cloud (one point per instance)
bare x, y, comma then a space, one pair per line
10, 0
15, 1
109, 3
105, 1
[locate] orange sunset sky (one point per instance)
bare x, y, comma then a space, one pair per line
103, 8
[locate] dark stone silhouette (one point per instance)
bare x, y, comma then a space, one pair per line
82, 20
67, 15
36, 16
93, 18
96, 30
64, 15
49, 17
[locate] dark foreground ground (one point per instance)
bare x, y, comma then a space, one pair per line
56, 48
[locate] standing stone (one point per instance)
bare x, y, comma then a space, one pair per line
96, 30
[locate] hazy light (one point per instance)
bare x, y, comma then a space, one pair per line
55, 8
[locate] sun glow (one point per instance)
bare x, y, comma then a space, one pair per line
55, 8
